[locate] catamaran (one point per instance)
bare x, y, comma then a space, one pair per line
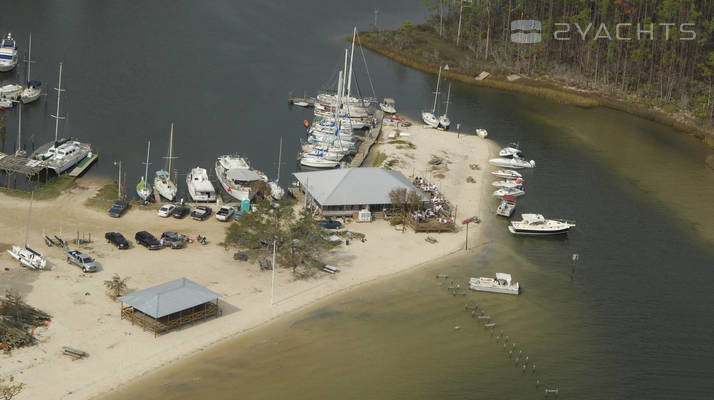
143, 188
199, 186
63, 153
235, 175
162, 181
429, 117
8, 53
34, 88
444, 120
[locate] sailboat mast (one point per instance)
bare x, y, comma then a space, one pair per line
280, 159
171, 148
344, 71
352, 53
29, 58
146, 172
19, 127
436, 94
59, 92
448, 95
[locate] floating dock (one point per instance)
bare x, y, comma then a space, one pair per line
369, 140
83, 165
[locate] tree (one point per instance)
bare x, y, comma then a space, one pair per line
116, 286
10, 390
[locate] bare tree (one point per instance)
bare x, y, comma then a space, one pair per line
116, 286
11, 390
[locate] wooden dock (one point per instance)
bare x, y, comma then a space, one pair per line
83, 165
369, 140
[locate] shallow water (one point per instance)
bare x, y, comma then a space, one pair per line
633, 321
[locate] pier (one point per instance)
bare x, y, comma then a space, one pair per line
370, 138
83, 165
12, 164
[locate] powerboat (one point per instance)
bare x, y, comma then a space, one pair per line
507, 206
482, 133
199, 187
502, 284
536, 224
507, 173
515, 192
509, 183
28, 258
235, 175
8, 53
515, 162
67, 155
11, 91
388, 106
510, 152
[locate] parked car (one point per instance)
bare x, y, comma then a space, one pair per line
180, 212
118, 209
166, 210
330, 224
117, 239
225, 213
201, 213
171, 239
147, 240
81, 260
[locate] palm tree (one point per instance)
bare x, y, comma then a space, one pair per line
116, 286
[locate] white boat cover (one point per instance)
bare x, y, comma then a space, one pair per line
243, 175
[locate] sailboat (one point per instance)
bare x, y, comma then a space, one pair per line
444, 120
143, 188
34, 88
429, 117
162, 181
275, 190
28, 257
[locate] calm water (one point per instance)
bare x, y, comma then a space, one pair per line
634, 322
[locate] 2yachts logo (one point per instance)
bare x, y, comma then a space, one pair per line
528, 31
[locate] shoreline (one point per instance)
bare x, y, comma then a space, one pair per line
84, 318
550, 90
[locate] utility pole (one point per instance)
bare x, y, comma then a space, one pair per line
458, 32
376, 12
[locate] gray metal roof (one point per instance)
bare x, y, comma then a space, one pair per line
353, 186
170, 297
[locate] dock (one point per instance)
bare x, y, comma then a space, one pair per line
12, 164
83, 165
370, 138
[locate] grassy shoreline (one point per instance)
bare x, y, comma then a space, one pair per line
550, 90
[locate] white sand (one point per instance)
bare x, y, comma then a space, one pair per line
85, 318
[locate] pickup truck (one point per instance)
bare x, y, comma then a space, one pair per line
81, 260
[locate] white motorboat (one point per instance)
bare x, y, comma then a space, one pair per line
8, 53
199, 186
514, 162
11, 91
318, 162
34, 88
510, 152
502, 284
515, 192
444, 120
143, 188
507, 206
28, 258
388, 106
509, 183
536, 224
482, 133
507, 173
301, 103
235, 175
162, 181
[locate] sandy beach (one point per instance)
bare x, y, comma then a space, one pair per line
85, 318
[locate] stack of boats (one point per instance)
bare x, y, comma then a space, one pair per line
331, 136
512, 185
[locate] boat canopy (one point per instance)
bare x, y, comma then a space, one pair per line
242, 174
161, 174
34, 83
504, 277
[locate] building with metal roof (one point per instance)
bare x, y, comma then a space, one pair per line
346, 191
169, 305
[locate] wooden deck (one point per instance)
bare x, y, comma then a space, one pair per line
83, 165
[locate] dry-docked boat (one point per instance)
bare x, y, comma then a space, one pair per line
199, 186
536, 224
502, 284
507, 206
28, 258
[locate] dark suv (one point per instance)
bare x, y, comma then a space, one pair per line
171, 239
118, 209
117, 239
180, 212
147, 240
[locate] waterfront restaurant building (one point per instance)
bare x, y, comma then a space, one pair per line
346, 191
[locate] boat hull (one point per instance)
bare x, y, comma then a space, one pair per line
494, 290
429, 119
30, 95
532, 232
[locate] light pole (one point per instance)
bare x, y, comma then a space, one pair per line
119, 180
